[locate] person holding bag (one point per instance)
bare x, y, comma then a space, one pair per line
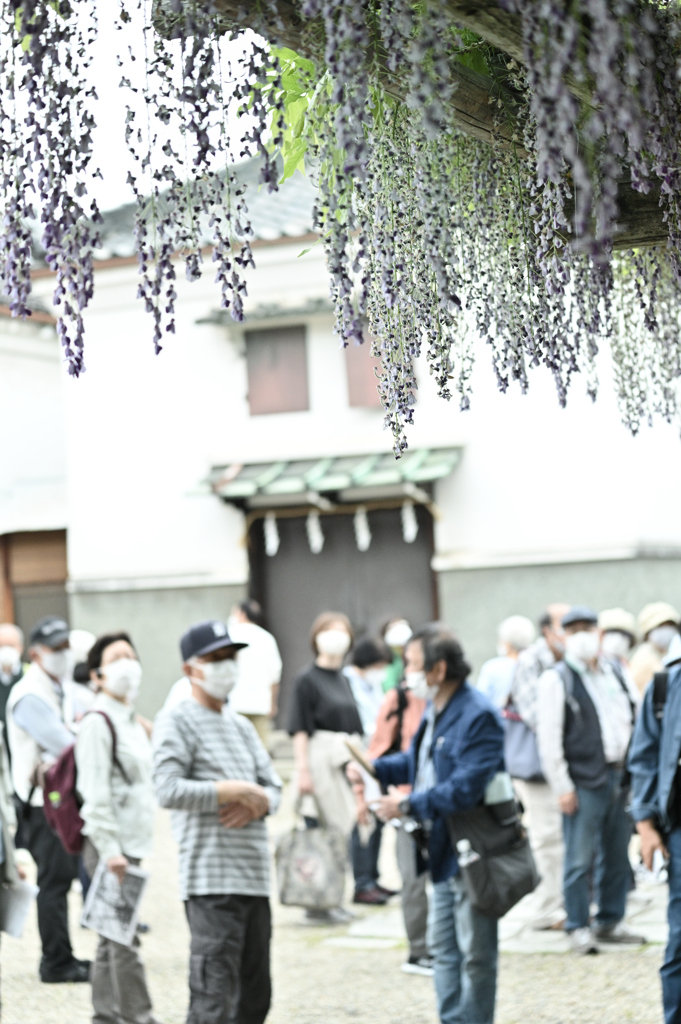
323, 716
455, 754
115, 783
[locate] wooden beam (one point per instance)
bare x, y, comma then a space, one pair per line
640, 215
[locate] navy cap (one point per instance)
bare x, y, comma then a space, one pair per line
579, 613
205, 637
50, 631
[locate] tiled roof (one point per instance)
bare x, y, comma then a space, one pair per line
273, 215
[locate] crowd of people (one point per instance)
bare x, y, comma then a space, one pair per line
586, 723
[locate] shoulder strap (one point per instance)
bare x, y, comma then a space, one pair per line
619, 675
660, 680
114, 743
568, 676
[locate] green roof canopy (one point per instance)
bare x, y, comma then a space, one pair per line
348, 478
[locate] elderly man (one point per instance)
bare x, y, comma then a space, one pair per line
210, 763
457, 751
585, 717
37, 735
656, 806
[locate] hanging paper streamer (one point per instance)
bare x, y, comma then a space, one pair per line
410, 526
362, 530
315, 537
271, 534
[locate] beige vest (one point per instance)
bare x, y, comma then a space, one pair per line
26, 754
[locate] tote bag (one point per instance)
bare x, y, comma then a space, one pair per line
310, 866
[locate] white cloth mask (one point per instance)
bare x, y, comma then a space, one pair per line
122, 678
219, 677
57, 664
417, 682
583, 645
398, 634
615, 644
334, 642
10, 659
662, 636
374, 677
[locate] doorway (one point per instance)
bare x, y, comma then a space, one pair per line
390, 578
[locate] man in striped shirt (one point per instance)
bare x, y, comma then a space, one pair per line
210, 763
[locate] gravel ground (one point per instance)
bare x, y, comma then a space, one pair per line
316, 983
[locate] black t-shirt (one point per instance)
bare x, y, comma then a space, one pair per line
322, 699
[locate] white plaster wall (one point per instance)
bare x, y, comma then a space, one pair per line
32, 429
536, 483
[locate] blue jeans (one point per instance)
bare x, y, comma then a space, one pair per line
671, 968
365, 858
600, 829
464, 945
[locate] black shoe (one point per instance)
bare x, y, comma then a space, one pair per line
372, 896
77, 970
388, 892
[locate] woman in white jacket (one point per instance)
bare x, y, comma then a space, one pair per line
118, 814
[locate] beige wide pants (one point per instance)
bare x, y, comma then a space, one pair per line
543, 907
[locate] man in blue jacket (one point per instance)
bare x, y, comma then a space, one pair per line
656, 806
456, 752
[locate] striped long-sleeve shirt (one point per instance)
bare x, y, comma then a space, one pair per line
194, 748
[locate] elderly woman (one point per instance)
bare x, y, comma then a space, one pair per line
118, 814
323, 715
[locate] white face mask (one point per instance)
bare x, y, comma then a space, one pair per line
615, 644
418, 684
10, 659
57, 664
334, 642
662, 636
219, 677
375, 677
398, 634
122, 678
583, 645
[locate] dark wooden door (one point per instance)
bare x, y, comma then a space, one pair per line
294, 586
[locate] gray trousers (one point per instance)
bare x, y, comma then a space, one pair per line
414, 897
119, 985
229, 967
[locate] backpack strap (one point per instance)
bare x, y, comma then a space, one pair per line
660, 680
114, 743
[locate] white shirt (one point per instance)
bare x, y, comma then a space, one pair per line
612, 707
259, 667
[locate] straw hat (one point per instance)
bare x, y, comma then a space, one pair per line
618, 618
654, 615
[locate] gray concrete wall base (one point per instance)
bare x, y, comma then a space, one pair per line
474, 601
155, 620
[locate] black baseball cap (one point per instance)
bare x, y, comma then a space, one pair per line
50, 631
205, 637
580, 613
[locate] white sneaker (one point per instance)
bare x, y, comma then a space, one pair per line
583, 942
419, 965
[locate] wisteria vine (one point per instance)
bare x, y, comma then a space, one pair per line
435, 233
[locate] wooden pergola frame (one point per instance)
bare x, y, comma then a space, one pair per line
641, 219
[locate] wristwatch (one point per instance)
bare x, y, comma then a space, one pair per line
404, 807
